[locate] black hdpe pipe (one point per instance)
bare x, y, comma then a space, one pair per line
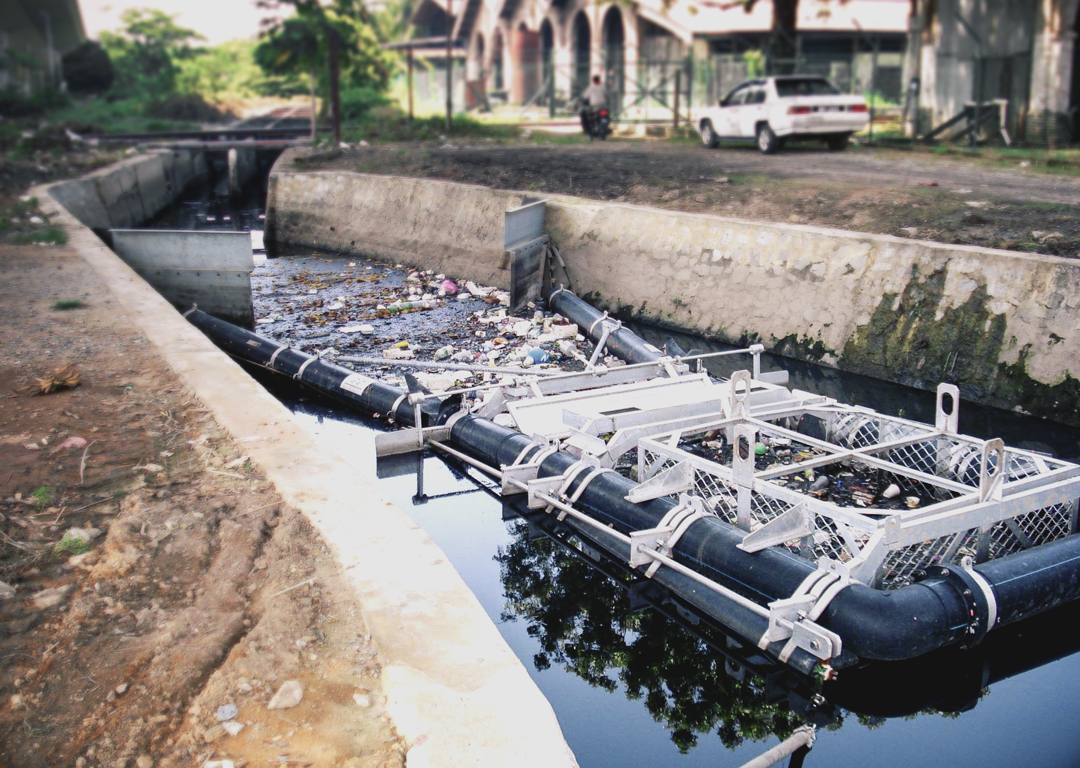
877, 625
944, 609
347, 387
948, 607
625, 345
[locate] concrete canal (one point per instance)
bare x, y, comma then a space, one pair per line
635, 680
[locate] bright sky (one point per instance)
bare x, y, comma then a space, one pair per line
216, 20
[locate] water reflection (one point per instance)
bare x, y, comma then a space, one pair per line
600, 622
582, 616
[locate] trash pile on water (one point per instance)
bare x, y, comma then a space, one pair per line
392, 317
845, 482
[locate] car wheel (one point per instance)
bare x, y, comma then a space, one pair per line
708, 135
837, 143
767, 141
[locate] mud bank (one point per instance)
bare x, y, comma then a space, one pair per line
1001, 325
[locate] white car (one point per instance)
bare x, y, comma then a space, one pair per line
771, 110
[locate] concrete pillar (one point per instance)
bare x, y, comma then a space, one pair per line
525, 51
1052, 55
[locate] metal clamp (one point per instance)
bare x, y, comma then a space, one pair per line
516, 475
277, 352
299, 375
663, 538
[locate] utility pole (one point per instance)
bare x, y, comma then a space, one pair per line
449, 66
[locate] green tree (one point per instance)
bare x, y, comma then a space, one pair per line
147, 52
297, 48
224, 70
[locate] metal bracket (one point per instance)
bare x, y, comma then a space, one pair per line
740, 392
789, 620
793, 524
672, 480
992, 479
663, 538
523, 473
948, 420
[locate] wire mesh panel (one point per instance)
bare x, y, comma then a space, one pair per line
869, 469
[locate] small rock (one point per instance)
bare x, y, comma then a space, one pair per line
149, 468
219, 764
673, 194
977, 203
362, 699
16, 701
288, 695
244, 689
702, 199
144, 761
121, 689
910, 231
213, 734
48, 598
110, 696
226, 712
6, 591
722, 180
73, 442
232, 727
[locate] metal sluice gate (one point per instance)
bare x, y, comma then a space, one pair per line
822, 532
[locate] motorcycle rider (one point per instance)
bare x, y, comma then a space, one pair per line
594, 97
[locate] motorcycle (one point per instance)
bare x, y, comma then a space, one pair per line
598, 123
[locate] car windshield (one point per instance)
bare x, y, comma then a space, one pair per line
805, 86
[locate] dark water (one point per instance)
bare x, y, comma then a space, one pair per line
635, 682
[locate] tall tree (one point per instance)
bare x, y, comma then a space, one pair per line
145, 52
334, 40
785, 18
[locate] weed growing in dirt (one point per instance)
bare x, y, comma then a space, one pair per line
23, 223
65, 304
41, 496
71, 545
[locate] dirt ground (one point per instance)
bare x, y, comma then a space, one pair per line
865, 189
155, 592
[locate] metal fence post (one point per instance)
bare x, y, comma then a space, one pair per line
675, 107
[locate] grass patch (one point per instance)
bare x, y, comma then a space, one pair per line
66, 304
48, 236
383, 128
41, 496
71, 545
122, 116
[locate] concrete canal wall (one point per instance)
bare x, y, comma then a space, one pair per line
1003, 326
128, 193
455, 690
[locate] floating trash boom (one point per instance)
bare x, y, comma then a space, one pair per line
824, 533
